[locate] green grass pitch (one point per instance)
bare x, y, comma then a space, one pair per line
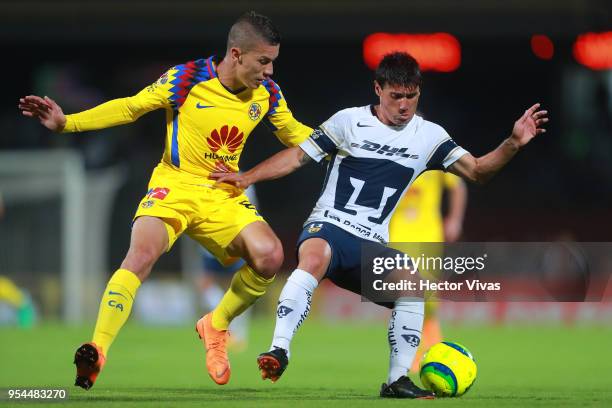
333, 364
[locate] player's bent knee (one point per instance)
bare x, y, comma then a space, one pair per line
268, 259
313, 263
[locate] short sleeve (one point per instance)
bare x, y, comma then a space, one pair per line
326, 139
318, 145
445, 152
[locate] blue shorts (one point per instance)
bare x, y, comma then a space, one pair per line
344, 268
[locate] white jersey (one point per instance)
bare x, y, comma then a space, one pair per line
371, 166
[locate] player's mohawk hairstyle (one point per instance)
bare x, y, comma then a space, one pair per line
399, 68
251, 27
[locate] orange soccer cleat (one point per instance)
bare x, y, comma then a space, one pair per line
215, 343
89, 360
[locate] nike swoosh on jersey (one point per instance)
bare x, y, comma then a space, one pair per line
111, 293
408, 328
200, 106
359, 124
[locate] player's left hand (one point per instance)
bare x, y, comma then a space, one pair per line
529, 125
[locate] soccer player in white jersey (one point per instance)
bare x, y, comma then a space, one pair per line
375, 153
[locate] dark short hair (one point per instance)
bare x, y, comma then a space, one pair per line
250, 28
399, 68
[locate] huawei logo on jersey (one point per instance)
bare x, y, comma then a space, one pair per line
230, 138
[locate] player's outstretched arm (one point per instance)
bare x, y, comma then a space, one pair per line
45, 109
111, 113
482, 169
282, 163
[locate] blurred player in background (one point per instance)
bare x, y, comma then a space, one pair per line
418, 218
211, 105
19, 300
375, 152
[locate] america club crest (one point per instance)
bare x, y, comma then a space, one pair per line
254, 111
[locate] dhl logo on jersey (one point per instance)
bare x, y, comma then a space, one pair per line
224, 139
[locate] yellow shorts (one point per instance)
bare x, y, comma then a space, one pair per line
213, 216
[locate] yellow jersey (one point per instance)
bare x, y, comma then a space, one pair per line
418, 216
207, 124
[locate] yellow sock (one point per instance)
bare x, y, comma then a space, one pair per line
115, 307
10, 293
246, 287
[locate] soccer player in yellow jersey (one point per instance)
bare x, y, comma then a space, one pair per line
11, 294
418, 218
211, 105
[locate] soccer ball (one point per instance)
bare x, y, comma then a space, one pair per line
448, 369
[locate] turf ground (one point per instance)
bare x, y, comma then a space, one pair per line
337, 364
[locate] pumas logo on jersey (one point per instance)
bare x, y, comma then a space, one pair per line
254, 111
230, 139
385, 150
315, 228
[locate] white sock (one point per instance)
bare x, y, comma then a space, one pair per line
293, 307
404, 335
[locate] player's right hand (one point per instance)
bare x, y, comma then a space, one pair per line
238, 180
45, 109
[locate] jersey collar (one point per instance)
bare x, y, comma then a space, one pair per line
212, 63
